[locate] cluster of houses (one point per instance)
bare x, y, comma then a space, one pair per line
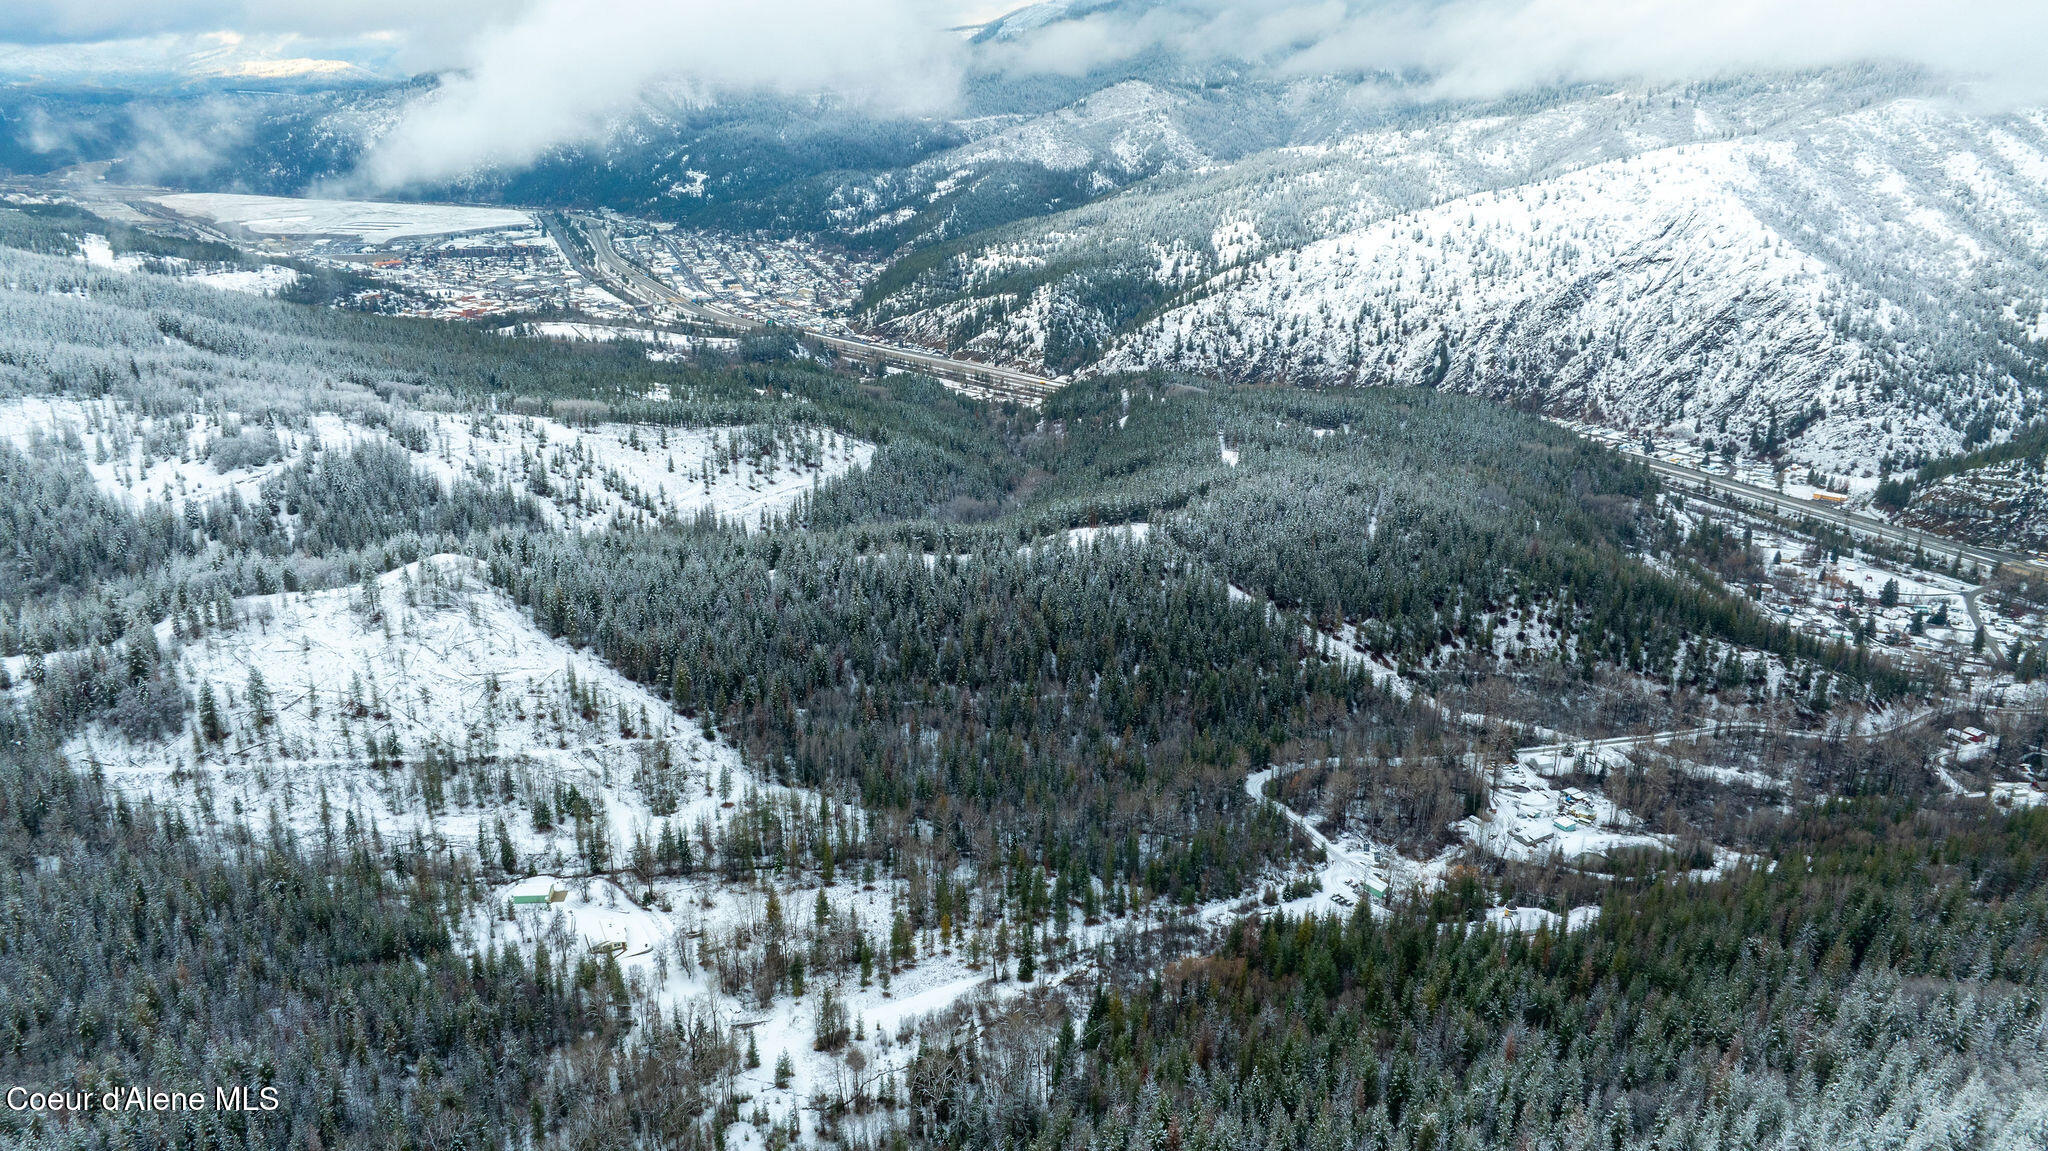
1574, 811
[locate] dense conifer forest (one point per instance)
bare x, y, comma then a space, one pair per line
1885, 978
1012, 674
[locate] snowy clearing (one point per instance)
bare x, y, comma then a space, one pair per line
426, 708
262, 280
591, 476
1533, 819
268, 280
423, 662
585, 476
429, 709
661, 345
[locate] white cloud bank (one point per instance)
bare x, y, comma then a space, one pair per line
1492, 47
426, 29
563, 70
568, 67
528, 75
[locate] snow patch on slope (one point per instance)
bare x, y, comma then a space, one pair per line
585, 477
426, 661
425, 709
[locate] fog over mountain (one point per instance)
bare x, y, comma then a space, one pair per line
558, 71
539, 73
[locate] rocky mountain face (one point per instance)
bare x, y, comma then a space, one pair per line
2004, 504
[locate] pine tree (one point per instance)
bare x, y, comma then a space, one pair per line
508, 855
1027, 953
210, 726
681, 692
259, 699
902, 941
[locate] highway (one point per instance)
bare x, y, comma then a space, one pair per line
988, 379
617, 272
621, 276
1861, 526
1717, 731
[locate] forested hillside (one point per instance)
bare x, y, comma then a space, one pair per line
140, 952
489, 742
1883, 986
1419, 519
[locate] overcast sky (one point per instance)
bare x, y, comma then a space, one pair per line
535, 73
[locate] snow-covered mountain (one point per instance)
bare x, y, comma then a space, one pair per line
196, 59
1865, 290
1037, 17
1133, 126
1321, 162
1848, 265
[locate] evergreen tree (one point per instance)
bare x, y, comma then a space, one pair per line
258, 693
212, 728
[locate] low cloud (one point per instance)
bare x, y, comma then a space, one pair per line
523, 76
167, 148
1478, 48
1491, 47
567, 69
